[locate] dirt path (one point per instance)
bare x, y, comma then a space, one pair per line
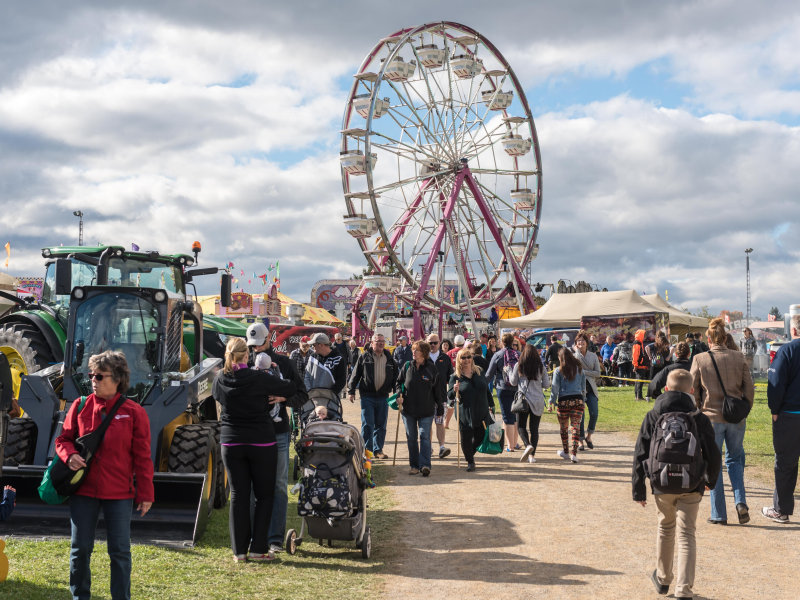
558, 530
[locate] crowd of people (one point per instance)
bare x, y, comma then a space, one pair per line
434, 380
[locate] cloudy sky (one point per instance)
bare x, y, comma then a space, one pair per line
670, 134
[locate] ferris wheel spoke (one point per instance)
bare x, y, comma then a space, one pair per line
433, 109
410, 106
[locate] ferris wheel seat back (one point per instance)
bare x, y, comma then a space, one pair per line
361, 105
465, 65
431, 56
497, 100
524, 199
516, 145
355, 163
399, 70
360, 226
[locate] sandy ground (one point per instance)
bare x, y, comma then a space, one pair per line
560, 530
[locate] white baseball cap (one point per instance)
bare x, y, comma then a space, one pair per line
458, 340
257, 334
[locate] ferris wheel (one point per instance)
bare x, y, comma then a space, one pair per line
441, 173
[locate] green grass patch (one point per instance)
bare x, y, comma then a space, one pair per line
620, 412
40, 569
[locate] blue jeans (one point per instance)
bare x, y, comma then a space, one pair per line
277, 524
374, 412
733, 436
591, 406
418, 436
83, 513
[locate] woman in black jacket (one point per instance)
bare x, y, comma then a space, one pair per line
249, 449
420, 398
474, 399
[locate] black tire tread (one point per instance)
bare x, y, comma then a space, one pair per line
29, 343
21, 445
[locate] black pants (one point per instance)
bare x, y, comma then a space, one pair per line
625, 371
640, 374
250, 467
786, 441
522, 421
471, 438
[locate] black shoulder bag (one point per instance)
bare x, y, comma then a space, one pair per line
65, 480
734, 410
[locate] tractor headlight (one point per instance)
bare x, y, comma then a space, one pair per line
78, 293
160, 296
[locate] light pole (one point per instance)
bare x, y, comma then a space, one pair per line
747, 264
79, 214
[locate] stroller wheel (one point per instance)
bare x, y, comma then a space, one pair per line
366, 543
290, 543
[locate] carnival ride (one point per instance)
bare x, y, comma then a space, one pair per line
441, 173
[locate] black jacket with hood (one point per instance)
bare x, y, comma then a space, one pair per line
675, 402
658, 382
423, 394
243, 395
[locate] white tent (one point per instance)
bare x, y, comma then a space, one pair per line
566, 310
680, 323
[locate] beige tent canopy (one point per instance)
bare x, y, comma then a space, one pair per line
680, 323
566, 310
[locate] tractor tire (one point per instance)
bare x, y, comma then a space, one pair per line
25, 347
21, 445
193, 451
223, 489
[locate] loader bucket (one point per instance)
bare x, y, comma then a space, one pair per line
178, 517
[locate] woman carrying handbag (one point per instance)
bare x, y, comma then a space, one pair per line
473, 410
530, 377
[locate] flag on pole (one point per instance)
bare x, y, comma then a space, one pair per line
134, 247
8, 253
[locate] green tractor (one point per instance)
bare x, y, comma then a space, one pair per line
100, 298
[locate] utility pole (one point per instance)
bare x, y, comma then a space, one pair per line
747, 264
79, 214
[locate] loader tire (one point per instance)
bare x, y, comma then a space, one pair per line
223, 489
26, 349
21, 443
193, 451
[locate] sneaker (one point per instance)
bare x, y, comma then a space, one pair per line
718, 521
528, 451
425, 471
471, 466
261, 557
444, 452
743, 512
413, 471
563, 454
240, 558
581, 447
381, 455
589, 444
573, 458
660, 587
509, 450
275, 548
774, 515
531, 459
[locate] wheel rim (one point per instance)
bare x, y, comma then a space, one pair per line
18, 367
432, 121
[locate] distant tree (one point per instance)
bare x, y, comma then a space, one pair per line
777, 313
700, 312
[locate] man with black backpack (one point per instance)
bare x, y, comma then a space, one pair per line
676, 451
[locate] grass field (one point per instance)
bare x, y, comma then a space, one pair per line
40, 569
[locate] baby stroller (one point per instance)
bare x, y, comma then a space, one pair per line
316, 397
333, 496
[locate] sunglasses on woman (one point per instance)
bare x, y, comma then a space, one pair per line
97, 376
465, 358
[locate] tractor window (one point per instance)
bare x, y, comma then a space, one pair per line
128, 272
121, 322
82, 274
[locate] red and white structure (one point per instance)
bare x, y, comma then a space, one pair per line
452, 188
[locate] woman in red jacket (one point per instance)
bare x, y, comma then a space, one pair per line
123, 454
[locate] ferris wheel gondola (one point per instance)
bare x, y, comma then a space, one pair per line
441, 172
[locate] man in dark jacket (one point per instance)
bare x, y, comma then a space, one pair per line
658, 382
325, 368
675, 509
374, 374
343, 349
444, 367
402, 353
783, 397
258, 341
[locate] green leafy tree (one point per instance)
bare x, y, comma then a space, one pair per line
777, 313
